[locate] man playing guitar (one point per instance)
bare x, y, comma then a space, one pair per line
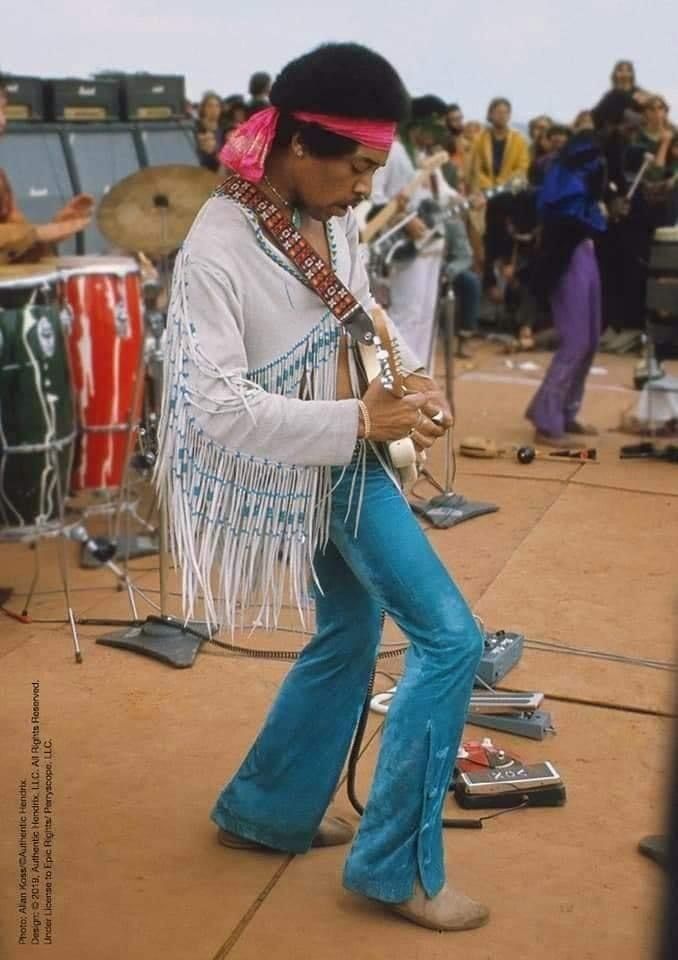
273, 466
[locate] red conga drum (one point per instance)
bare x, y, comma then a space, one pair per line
105, 345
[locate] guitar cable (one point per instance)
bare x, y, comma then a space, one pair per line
460, 823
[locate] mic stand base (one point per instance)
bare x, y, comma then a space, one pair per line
162, 638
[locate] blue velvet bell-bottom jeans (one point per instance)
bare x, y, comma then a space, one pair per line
286, 782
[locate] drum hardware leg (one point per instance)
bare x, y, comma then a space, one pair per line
103, 549
63, 557
144, 521
63, 569
124, 582
130, 594
36, 575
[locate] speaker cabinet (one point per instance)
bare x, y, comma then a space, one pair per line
34, 160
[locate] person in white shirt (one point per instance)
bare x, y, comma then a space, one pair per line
414, 283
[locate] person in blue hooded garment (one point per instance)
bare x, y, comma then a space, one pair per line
570, 215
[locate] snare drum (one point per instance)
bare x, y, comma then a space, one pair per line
105, 343
37, 424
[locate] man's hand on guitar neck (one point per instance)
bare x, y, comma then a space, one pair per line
392, 418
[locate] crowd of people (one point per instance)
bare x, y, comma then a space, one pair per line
503, 261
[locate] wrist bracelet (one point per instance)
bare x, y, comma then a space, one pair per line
367, 426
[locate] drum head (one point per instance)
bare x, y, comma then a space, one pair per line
21, 276
104, 266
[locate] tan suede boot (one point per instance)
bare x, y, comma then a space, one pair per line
332, 832
448, 910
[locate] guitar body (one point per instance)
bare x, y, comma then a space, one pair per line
375, 359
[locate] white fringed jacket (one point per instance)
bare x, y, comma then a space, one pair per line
250, 426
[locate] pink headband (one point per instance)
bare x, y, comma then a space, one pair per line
248, 146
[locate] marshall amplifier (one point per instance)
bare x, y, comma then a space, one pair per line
25, 100
83, 99
149, 97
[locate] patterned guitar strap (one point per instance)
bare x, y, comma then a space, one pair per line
318, 275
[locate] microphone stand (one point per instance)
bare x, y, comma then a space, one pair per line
448, 508
160, 636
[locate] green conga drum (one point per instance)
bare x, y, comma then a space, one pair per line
37, 423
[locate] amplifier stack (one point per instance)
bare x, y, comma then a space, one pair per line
107, 98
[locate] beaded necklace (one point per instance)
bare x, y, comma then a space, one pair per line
295, 214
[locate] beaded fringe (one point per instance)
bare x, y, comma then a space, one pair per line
243, 530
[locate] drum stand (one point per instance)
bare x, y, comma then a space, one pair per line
127, 546
24, 616
59, 531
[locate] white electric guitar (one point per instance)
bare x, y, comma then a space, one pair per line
383, 361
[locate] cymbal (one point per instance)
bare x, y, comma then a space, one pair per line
153, 209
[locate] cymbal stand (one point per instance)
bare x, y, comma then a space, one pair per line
447, 307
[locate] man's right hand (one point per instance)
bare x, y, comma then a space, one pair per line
416, 229
54, 232
392, 418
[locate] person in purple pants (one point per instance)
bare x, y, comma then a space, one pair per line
570, 216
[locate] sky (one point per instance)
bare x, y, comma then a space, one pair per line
546, 57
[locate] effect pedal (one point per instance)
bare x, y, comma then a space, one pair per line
503, 649
510, 785
533, 724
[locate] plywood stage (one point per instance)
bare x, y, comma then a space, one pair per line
579, 554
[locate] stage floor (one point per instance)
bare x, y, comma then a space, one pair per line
134, 752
